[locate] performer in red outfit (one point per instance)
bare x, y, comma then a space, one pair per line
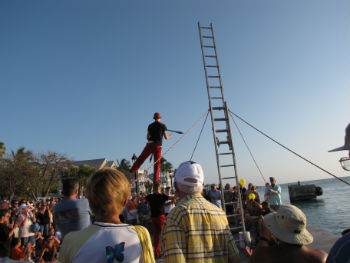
155, 133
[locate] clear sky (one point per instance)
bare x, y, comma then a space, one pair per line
83, 78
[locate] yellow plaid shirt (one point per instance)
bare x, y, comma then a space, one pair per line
196, 231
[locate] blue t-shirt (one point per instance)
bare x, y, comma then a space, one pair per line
217, 195
71, 215
275, 199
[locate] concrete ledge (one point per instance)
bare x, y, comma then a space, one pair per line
323, 239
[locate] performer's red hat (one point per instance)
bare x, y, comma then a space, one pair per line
157, 116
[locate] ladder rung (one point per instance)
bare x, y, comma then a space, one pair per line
220, 119
236, 228
207, 37
227, 165
211, 66
205, 27
213, 76
234, 215
226, 178
225, 153
224, 142
210, 56
216, 87
209, 46
221, 130
232, 203
216, 98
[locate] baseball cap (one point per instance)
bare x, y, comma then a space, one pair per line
189, 173
157, 116
346, 145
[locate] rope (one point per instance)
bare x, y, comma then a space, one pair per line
251, 154
200, 134
289, 149
138, 178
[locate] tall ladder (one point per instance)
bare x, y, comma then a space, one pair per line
225, 155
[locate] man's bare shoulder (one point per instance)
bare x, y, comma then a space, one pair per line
263, 254
276, 254
314, 255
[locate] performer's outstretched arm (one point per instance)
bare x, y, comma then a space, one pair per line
166, 136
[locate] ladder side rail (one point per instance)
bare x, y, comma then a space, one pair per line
235, 171
211, 110
217, 62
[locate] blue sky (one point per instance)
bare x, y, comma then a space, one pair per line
83, 78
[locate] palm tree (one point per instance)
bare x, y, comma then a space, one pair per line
125, 166
165, 167
84, 172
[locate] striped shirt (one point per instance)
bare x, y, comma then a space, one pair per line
197, 231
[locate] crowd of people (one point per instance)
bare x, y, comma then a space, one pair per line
27, 230
111, 225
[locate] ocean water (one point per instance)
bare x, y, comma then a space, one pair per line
331, 210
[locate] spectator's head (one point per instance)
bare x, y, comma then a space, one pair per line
14, 203
157, 187
213, 187
288, 224
108, 191
23, 208
4, 216
70, 187
189, 178
157, 116
4, 204
265, 205
253, 207
272, 181
227, 187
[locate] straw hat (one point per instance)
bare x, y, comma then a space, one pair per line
346, 145
288, 224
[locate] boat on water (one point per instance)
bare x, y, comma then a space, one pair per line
299, 192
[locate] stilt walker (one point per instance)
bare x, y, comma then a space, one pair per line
155, 133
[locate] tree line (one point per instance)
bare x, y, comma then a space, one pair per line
24, 174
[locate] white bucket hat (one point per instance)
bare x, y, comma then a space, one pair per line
288, 224
346, 145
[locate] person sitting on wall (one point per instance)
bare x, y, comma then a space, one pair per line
283, 238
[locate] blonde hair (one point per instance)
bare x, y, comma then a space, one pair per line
107, 191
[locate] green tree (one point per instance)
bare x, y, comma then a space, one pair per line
165, 167
49, 167
15, 169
